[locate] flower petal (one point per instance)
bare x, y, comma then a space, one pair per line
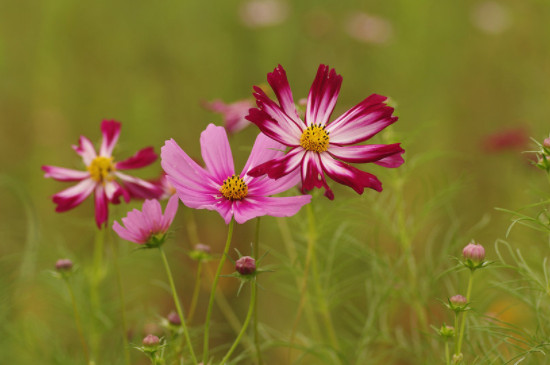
279, 83
152, 212
126, 234
110, 130
264, 149
142, 158
101, 207
322, 96
263, 186
387, 155
216, 152
86, 150
69, 198
253, 207
233, 113
138, 188
63, 174
349, 175
225, 208
170, 211
361, 122
312, 173
280, 166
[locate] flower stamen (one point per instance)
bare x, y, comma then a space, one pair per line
101, 169
234, 188
315, 138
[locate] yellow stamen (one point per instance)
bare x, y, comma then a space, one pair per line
315, 138
102, 168
234, 188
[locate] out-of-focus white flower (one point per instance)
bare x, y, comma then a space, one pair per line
369, 28
491, 17
263, 13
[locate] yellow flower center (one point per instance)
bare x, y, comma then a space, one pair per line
234, 188
315, 138
102, 169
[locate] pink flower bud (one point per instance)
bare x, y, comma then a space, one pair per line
63, 265
546, 142
173, 318
203, 248
458, 300
474, 252
150, 341
246, 265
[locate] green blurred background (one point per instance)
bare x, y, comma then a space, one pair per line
458, 71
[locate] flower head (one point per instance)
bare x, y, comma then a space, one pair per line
246, 265
474, 256
102, 175
148, 226
233, 113
218, 187
63, 265
317, 147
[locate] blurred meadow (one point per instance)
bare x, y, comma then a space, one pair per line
468, 79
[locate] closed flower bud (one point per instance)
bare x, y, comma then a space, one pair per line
63, 265
546, 142
458, 300
151, 341
474, 252
447, 332
246, 265
203, 248
173, 318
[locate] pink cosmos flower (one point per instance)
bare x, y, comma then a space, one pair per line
233, 113
317, 146
101, 174
148, 226
217, 187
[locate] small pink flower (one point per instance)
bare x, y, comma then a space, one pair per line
101, 175
148, 226
217, 187
474, 252
317, 146
233, 113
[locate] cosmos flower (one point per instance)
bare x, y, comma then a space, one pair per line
218, 188
233, 113
148, 226
101, 174
317, 146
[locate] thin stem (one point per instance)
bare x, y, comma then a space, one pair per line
178, 305
77, 320
213, 291
245, 324
447, 354
255, 293
463, 324
96, 276
196, 292
122, 304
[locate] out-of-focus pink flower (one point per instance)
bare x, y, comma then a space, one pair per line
263, 13
317, 146
369, 28
233, 113
101, 175
148, 226
218, 188
516, 139
164, 185
491, 17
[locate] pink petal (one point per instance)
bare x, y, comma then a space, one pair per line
272, 129
216, 152
361, 122
290, 124
280, 166
387, 155
63, 174
86, 150
225, 208
264, 186
264, 149
279, 83
170, 212
126, 234
142, 158
138, 188
233, 113
101, 208
252, 207
322, 96
73, 196
110, 130
152, 212
349, 175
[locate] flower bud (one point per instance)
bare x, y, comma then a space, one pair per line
474, 252
203, 248
246, 265
174, 318
151, 341
63, 265
447, 331
458, 300
546, 142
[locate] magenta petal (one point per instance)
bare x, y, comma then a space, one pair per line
264, 149
142, 158
279, 83
101, 208
225, 208
349, 175
110, 130
63, 174
152, 213
292, 125
252, 207
73, 196
216, 152
267, 186
272, 129
312, 172
86, 150
139, 188
387, 155
280, 166
233, 113
170, 211
126, 234
322, 96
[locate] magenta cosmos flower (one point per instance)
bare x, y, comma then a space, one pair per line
316, 146
148, 226
101, 175
218, 188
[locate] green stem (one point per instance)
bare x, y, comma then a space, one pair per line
96, 276
213, 291
463, 324
255, 293
178, 305
447, 353
196, 291
245, 324
78, 322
